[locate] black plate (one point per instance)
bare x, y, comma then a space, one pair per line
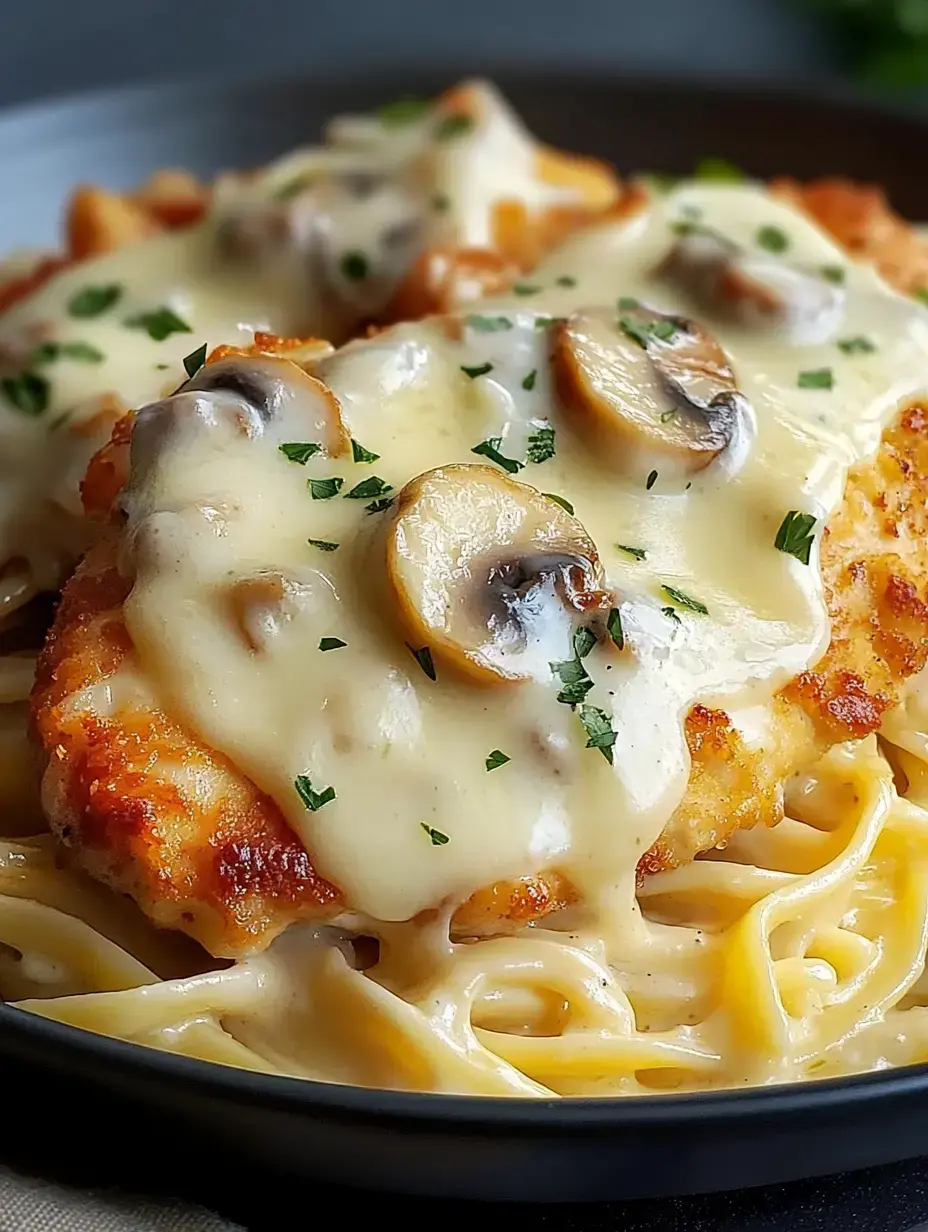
493, 1148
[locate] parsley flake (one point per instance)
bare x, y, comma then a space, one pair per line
599, 730
479, 370
614, 628
834, 273
643, 332
441, 202
378, 506
628, 303
490, 449
719, 170
496, 759
566, 280
299, 451
684, 600
360, 454
27, 391
671, 614
772, 239
921, 294
195, 360
81, 352
438, 839
159, 324
816, 378
424, 658
651, 480
573, 676
92, 301
638, 553
451, 126
325, 489
292, 188
559, 500
312, 799
374, 486
324, 545
796, 535
541, 445
528, 382
584, 641
402, 111
331, 643
487, 325
666, 416
354, 265
858, 345
525, 288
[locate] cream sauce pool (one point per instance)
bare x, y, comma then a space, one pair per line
215, 505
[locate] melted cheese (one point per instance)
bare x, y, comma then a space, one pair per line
211, 506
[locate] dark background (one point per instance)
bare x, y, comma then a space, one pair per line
58, 46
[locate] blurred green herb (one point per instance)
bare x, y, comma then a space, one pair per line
885, 40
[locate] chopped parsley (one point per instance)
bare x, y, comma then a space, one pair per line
360, 454
718, 169
403, 111
487, 325
378, 506
559, 500
292, 188
441, 202
490, 449
666, 416
354, 265
573, 676
528, 382
544, 322
424, 658
684, 600
313, 800
92, 301
331, 643
584, 641
159, 324
324, 545
599, 730
374, 486
651, 480
566, 280
525, 288
81, 352
643, 331
28, 392
816, 378
614, 628
541, 445
325, 489
451, 126
773, 239
671, 614
796, 535
496, 759
834, 273
299, 451
479, 370
638, 553
438, 839
858, 345
628, 303
195, 360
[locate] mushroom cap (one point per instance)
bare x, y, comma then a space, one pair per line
489, 573
752, 290
656, 391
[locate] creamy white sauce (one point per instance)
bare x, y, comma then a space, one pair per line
211, 504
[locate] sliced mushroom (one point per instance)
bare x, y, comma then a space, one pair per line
753, 290
656, 391
489, 574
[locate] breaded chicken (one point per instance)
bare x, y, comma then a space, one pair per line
149, 809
